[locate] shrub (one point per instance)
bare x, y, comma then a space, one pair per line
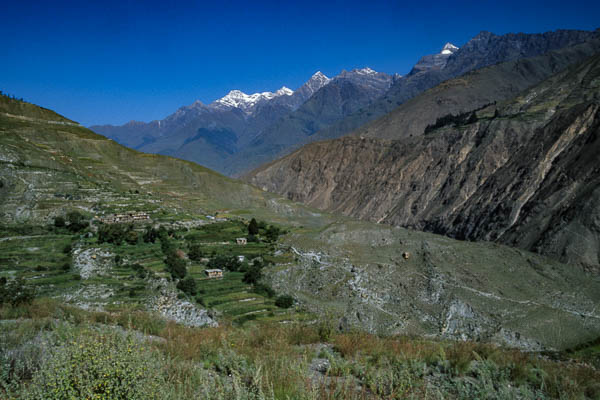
221, 261
195, 252
284, 301
77, 221
16, 292
188, 285
263, 289
131, 237
150, 235
66, 267
176, 266
112, 233
67, 249
99, 366
273, 233
254, 273
59, 222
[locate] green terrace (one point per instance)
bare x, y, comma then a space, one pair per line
49, 259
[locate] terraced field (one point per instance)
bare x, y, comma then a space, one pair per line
78, 269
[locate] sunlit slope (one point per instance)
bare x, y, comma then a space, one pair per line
48, 165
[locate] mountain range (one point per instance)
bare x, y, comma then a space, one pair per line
520, 171
240, 132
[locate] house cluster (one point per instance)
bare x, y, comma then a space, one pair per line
134, 216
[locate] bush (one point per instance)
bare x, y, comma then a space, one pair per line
150, 235
77, 221
15, 292
93, 366
59, 222
284, 301
195, 253
67, 249
263, 289
176, 266
188, 286
131, 237
273, 233
66, 267
231, 263
254, 273
112, 233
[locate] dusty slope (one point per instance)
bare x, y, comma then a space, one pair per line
528, 177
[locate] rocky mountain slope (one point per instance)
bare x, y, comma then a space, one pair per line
239, 132
211, 134
343, 95
354, 272
523, 173
485, 49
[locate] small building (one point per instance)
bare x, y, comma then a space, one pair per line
242, 241
241, 258
214, 273
133, 216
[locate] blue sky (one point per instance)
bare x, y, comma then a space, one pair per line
111, 62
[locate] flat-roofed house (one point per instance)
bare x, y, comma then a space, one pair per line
214, 273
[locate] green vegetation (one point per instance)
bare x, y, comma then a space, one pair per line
61, 352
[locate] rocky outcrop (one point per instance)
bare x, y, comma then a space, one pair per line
167, 304
525, 173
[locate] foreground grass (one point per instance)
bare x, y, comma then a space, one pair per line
52, 351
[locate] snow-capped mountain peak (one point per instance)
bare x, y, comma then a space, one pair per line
241, 100
284, 91
365, 71
448, 49
318, 80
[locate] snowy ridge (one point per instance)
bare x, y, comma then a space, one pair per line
239, 99
448, 49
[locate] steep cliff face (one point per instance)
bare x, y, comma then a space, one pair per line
525, 173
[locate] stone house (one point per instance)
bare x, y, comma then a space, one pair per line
241, 241
214, 273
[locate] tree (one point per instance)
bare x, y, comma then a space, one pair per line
59, 222
131, 237
253, 275
253, 227
188, 285
176, 266
15, 292
150, 235
76, 221
272, 233
284, 301
112, 233
196, 253
222, 261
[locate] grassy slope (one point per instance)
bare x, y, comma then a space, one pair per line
267, 361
